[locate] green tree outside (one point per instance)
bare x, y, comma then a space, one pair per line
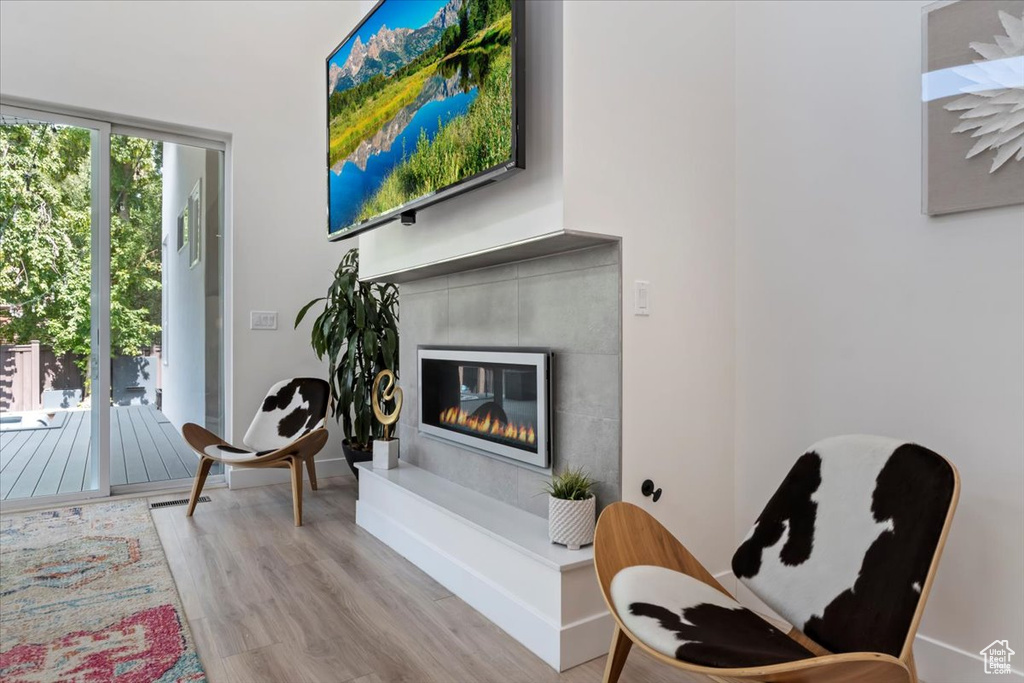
45, 239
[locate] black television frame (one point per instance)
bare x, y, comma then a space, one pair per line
517, 162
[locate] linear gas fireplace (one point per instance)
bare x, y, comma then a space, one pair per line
497, 401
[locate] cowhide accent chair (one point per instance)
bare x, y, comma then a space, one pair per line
846, 551
288, 430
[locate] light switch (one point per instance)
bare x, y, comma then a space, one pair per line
262, 320
641, 297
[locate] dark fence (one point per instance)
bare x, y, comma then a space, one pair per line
33, 377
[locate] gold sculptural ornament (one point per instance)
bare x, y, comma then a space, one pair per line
390, 391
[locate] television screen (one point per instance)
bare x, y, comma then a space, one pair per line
422, 104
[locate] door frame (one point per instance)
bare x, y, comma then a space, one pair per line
99, 301
102, 126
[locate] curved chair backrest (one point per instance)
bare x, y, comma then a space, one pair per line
293, 407
846, 548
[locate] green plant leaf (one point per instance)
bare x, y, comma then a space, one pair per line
360, 314
571, 484
388, 348
304, 309
370, 342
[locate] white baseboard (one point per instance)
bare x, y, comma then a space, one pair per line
247, 477
578, 639
937, 662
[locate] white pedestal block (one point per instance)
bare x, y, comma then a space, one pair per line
385, 454
494, 556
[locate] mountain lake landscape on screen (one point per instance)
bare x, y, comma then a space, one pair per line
419, 98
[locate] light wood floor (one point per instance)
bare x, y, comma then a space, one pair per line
328, 603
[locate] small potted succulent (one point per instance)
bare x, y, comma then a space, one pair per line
571, 508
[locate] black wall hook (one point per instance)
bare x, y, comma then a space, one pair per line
647, 488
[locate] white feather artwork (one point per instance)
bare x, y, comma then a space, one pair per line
994, 109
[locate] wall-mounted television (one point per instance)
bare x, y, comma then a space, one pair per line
424, 101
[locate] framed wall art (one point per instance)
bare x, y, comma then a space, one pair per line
182, 240
973, 105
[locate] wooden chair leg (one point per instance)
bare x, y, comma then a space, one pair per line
311, 468
296, 467
912, 667
197, 485
617, 656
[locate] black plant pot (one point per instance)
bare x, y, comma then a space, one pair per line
354, 455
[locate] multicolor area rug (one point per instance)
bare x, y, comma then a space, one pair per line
86, 595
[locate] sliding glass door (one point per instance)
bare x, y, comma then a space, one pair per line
54, 307
166, 280
111, 306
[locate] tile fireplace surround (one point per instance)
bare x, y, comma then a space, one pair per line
569, 303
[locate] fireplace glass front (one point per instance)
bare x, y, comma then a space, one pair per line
496, 401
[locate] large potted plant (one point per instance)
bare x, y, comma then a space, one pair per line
358, 333
571, 508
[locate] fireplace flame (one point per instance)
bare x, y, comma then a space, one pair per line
458, 417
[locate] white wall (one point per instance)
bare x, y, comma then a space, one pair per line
184, 376
254, 70
856, 313
649, 155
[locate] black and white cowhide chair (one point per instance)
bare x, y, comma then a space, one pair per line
846, 551
288, 430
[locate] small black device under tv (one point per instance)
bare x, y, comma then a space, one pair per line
424, 102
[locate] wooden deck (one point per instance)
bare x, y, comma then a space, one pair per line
144, 447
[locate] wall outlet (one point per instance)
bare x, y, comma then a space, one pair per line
262, 320
641, 297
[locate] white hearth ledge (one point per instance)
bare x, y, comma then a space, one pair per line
494, 556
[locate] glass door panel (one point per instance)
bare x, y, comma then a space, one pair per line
166, 304
51, 241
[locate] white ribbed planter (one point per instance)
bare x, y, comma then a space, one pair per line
571, 522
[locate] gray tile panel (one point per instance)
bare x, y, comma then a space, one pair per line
569, 303
483, 276
572, 312
588, 384
419, 286
484, 314
605, 255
